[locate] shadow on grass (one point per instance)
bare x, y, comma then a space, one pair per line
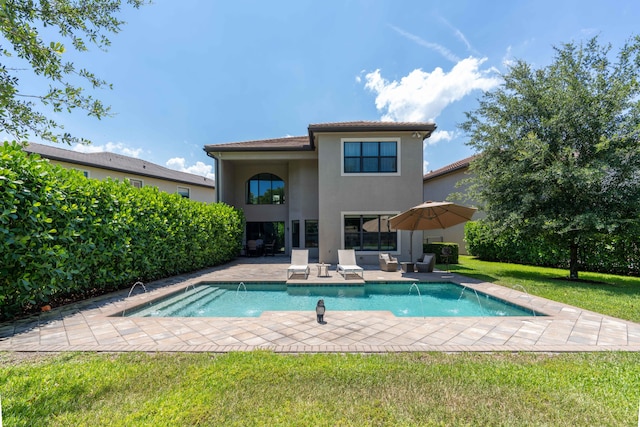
459, 269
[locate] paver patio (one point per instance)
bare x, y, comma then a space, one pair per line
95, 325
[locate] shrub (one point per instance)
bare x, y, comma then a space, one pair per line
64, 235
437, 247
617, 253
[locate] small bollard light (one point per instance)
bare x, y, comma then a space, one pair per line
320, 309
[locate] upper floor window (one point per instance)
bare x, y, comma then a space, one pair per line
184, 192
135, 182
370, 156
265, 189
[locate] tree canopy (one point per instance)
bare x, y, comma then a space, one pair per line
559, 155
23, 49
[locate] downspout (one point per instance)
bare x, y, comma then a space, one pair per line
216, 174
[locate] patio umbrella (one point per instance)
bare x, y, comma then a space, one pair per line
374, 225
431, 216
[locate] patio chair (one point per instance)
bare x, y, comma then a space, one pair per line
426, 263
347, 263
270, 248
252, 248
387, 262
299, 263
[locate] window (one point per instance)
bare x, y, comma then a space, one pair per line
311, 234
184, 192
265, 189
267, 233
135, 182
295, 233
369, 232
368, 157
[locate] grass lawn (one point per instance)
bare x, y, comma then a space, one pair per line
418, 389
261, 388
617, 296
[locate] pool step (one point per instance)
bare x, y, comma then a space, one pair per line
185, 297
188, 309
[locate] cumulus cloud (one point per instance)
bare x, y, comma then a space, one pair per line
440, 135
425, 167
111, 147
200, 168
422, 96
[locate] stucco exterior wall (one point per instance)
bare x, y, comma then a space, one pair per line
303, 198
439, 189
201, 194
340, 194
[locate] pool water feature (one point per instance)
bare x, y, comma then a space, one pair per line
430, 300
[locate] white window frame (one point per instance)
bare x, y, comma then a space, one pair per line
132, 181
188, 191
397, 140
398, 250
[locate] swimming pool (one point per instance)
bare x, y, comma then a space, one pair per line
402, 299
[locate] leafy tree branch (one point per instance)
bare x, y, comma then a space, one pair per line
79, 23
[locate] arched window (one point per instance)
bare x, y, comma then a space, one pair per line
265, 189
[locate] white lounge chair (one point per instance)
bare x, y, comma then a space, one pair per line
299, 263
347, 263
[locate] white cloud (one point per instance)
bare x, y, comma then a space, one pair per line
440, 135
425, 167
200, 168
422, 96
111, 147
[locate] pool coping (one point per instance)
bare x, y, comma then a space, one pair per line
90, 326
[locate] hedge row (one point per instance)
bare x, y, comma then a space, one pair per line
438, 247
63, 234
606, 253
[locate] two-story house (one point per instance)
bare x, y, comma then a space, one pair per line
138, 172
328, 190
439, 185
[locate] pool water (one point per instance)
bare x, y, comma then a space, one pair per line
402, 299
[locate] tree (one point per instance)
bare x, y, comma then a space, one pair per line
559, 146
80, 22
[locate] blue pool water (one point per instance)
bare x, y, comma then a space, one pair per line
402, 299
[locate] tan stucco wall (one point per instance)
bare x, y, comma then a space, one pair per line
303, 198
340, 195
440, 189
201, 194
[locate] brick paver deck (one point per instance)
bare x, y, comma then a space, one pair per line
95, 326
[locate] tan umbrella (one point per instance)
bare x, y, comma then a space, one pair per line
383, 225
431, 216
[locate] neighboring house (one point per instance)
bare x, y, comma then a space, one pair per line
139, 173
438, 186
328, 190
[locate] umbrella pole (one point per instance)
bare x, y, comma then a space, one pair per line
411, 246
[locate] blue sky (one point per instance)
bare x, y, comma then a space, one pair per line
190, 73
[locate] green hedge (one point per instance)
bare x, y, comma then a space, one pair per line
65, 235
607, 253
436, 248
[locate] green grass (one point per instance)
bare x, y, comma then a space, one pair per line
617, 296
262, 388
419, 389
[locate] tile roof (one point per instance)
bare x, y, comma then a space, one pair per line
119, 163
372, 126
305, 143
455, 166
290, 143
